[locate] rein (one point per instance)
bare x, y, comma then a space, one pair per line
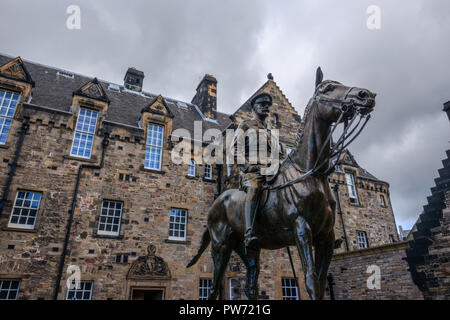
337, 148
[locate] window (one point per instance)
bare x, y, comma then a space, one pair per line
25, 210
208, 171
383, 201
391, 238
110, 218
8, 104
84, 133
235, 289
289, 287
228, 170
154, 145
9, 289
191, 168
362, 239
177, 226
83, 293
350, 179
204, 289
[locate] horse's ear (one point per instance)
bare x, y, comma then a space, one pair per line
319, 76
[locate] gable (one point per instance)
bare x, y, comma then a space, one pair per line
16, 70
348, 159
283, 115
158, 106
93, 90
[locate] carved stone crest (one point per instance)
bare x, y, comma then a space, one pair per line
149, 267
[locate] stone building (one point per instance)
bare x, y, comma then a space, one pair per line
429, 254
89, 187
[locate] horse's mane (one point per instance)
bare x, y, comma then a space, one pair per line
303, 122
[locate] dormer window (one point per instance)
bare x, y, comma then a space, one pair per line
154, 146
84, 133
8, 104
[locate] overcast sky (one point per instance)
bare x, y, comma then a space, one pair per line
407, 62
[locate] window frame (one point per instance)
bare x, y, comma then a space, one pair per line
19, 225
9, 289
351, 188
204, 289
191, 168
147, 145
83, 290
7, 117
231, 289
208, 171
110, 233
172, 230
289, 286
383, 200
358, 238
84, 132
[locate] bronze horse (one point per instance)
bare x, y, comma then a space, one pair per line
299, 207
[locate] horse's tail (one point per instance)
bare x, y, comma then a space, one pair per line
206, 239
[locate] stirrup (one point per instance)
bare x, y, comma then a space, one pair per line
250, 241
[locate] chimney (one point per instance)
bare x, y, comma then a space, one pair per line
206, 96
134, 79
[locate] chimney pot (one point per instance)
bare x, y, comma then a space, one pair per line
134, 79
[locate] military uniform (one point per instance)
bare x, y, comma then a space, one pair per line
251, 176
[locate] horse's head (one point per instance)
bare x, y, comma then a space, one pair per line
337, 102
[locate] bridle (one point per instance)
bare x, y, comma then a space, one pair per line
345, 108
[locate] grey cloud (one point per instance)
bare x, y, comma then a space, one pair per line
239, 42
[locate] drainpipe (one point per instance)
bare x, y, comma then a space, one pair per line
336, 190
23, 131
71, 212
219, 179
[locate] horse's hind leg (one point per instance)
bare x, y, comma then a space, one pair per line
251, 261
304, 246
221, 255
323, 254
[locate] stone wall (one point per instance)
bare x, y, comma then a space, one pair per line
437, 262
350, 274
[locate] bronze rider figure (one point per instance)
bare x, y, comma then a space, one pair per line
252, 179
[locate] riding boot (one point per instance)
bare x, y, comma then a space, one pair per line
250, 241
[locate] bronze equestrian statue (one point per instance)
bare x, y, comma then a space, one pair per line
298, 206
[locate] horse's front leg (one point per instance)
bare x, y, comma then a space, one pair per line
303, 240
323, 254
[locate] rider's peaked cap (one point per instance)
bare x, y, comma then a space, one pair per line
262, 97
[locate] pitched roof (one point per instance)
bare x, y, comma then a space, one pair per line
348, 159
54, 89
